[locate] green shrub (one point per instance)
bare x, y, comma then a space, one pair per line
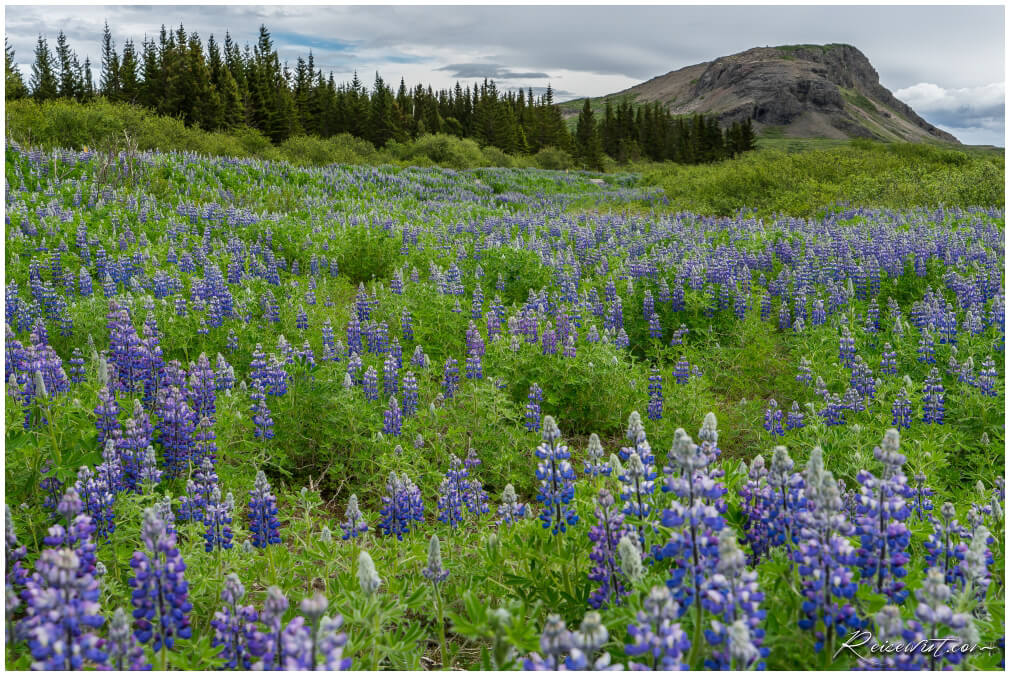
553, 158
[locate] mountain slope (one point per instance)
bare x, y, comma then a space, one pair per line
826, 91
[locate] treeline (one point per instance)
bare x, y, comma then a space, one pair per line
220, 87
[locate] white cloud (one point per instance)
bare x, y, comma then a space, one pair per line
973, 114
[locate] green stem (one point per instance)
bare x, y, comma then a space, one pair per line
564, 568
441, 628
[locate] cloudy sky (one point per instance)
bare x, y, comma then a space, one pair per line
946, 62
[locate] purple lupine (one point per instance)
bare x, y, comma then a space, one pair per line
175, 431
262, 421
474, 368
198, 491
656, 635
755, 495
605, 535
62, 613
944, 550
846, 347
392, 419
557, 480
390, 376
510, 510
401, 506
655, 410
733, 596
161, 592
681, 371
804, 375
773, 419
14, 573
901, 411
77, 373
370, 384
987, 378
884, 538
927, 348
450, 500
224, 374
124, 652
939, 625
217, 518
921, 496
97, 498
108, 414
933, 398
535, 396
474, 495
888, 362
794, 419
595, 465
825, 558
355, 524
354, 366
450, 378
202, 392
235, 629
263, 523
655, 328
409, 394
638, 477
563, 650
434, 571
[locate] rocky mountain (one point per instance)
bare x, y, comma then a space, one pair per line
825, 91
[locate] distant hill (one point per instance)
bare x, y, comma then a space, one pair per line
795, 91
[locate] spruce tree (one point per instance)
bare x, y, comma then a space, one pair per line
129, 77
109, 84
70, 70
44, 85
587, 139
14, 83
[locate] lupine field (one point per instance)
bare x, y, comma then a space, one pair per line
268, 417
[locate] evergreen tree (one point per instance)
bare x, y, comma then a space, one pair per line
88, 82
588, 147
14, 83
70, 70
109, 84
44, 84
206, 104
129, 77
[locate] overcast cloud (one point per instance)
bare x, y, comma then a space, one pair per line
946, 62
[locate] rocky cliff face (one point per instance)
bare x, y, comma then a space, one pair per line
828, 91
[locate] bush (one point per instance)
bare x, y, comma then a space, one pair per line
495, 157
442, 149
553, 158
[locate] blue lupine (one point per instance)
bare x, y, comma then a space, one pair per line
927, 351
198, 491
434, 571
933, 398
202, 392
108, 414
62, 613
655, 329
595, 465
681, 371
355, 524
901, 411
392, 419
935, 619
794, 419
262, 421
533, 408
655, 410
124, 652
987, 378
638, 477
450, 378
944, 550
732, 595
409, 394
77, 373
370, 384
450, 500
846, 347
804, 375
773, 419
97, 498
921, 495
401, 506
176, 428
510, 510
235, 629
656, 635
160, 591
263, 523
564, 650
605, 535
825, 558
557, 480
474, 495
888, 363
884, 538
217, 518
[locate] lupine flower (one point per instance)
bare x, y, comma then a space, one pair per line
175, 427
655, 411
825, 557
14, 572
732, 595
882, 511
160, 593
533, 408
355, 524
656, 636
108, 415
773, 419
401, 506
149, 474
936, 618
371, 384
786, 499
202, 392
368, 578
567, 651
450, 501
794, 419
606, 535
409, 394
235, 627
97, 498
450, 378
62, 612
921, 494
595, 465
124, 653
805, 375
901, 411
987, 378
927, 350
199, 489
434, 571
217, 518
474, 495
557, 480
943, 549
681, 371
264, 423
392, 419
888, 364
933, 398
263, 523
390, 376
511, 510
